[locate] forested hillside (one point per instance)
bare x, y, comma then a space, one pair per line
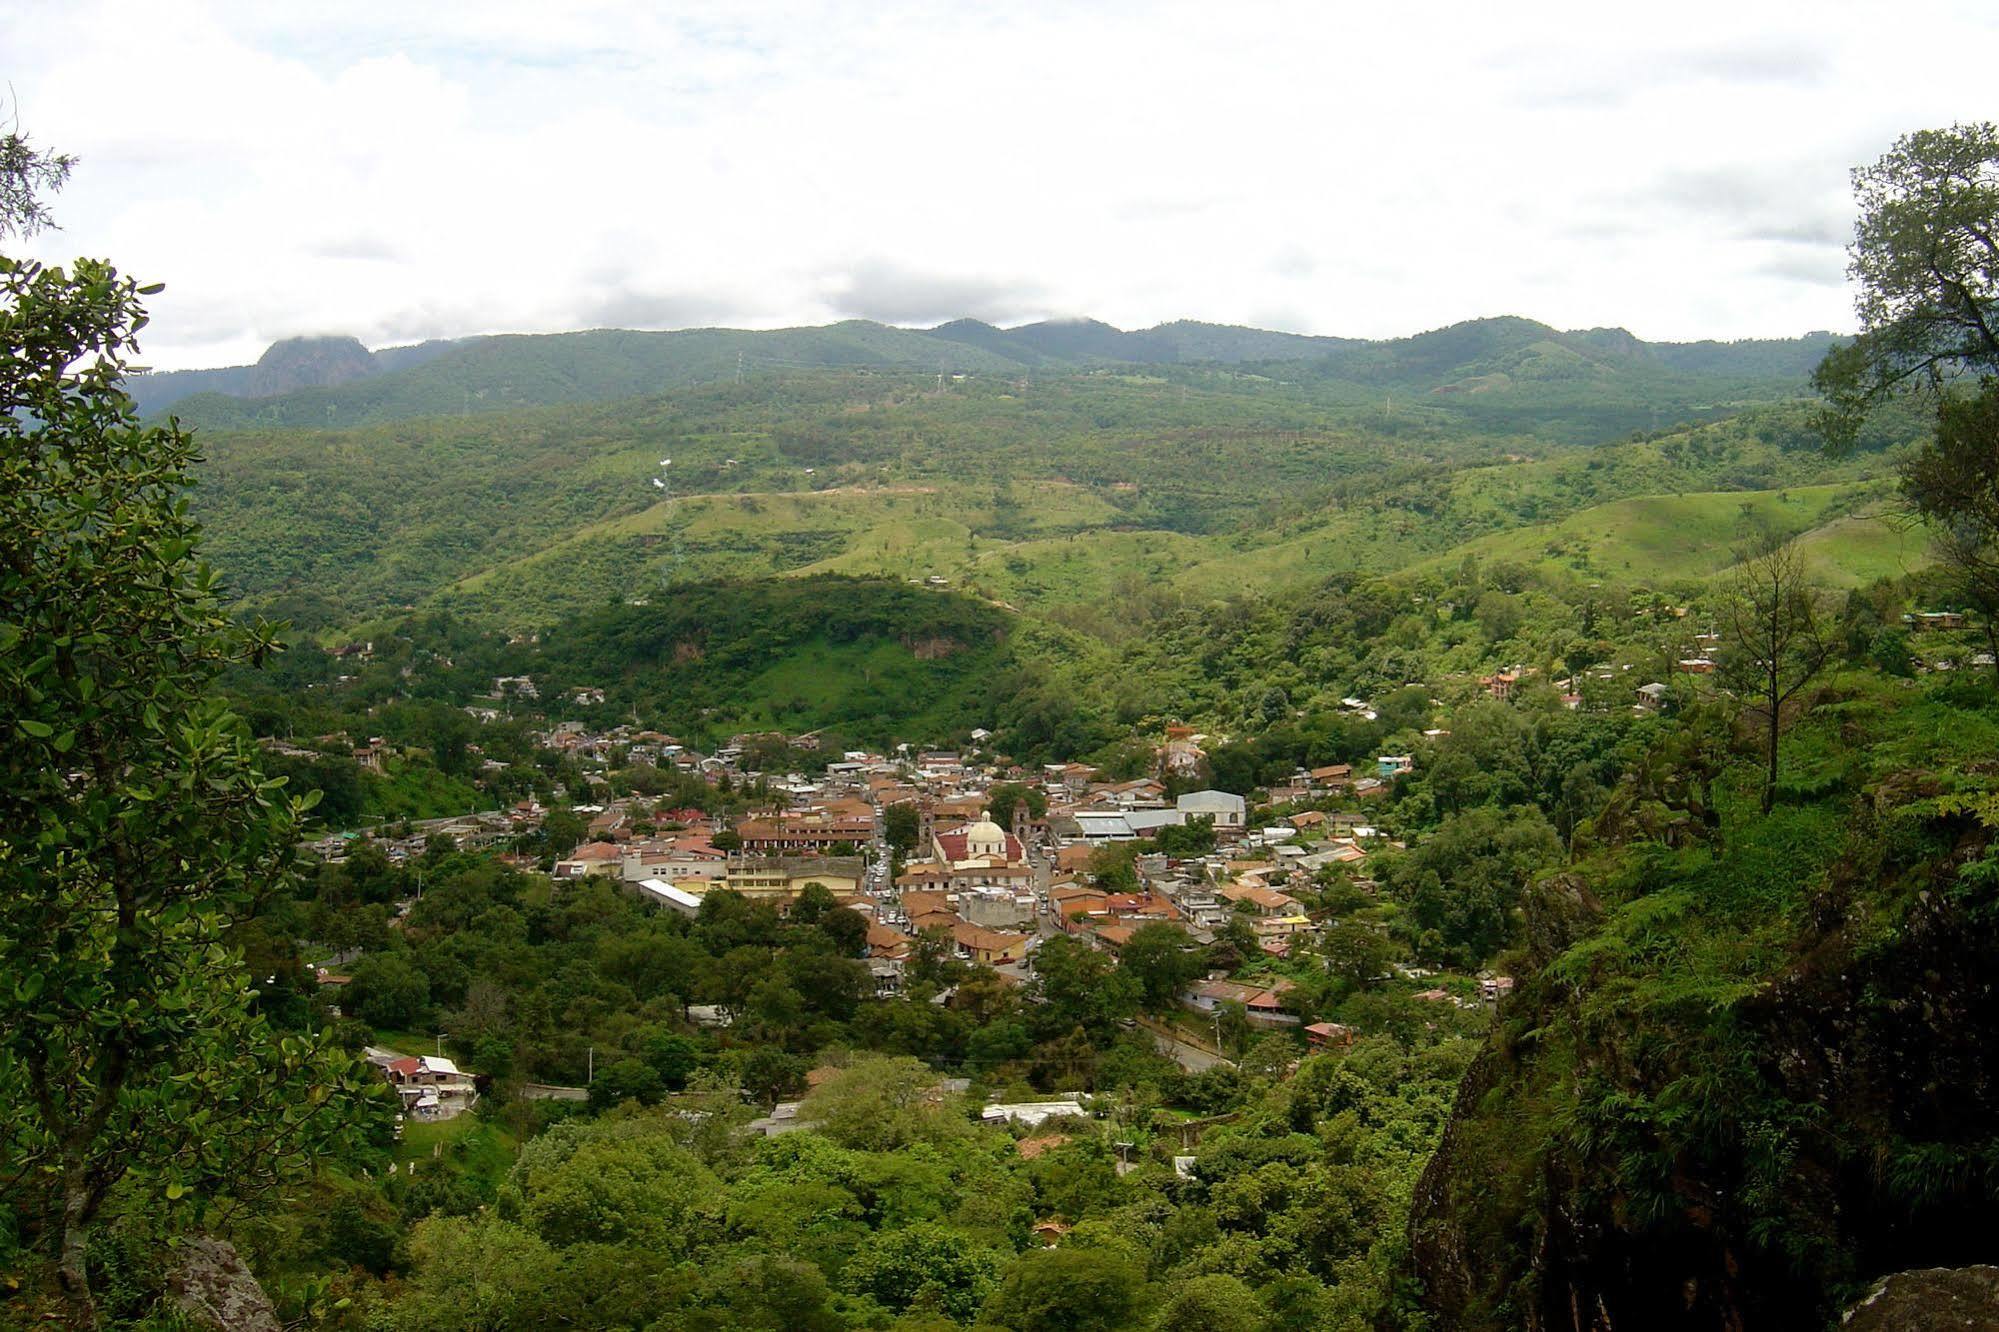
1049, 492
330, 381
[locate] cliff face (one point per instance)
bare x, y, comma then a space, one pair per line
297, 363
1760, 1078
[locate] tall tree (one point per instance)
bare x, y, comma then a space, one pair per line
1776, 639
1926, 257
135, 827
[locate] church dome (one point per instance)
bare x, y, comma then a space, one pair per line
985, 838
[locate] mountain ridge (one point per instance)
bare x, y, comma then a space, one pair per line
314, 381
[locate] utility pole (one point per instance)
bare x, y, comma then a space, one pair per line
590, 1067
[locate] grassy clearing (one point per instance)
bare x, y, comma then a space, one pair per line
474, 1147
1668, 537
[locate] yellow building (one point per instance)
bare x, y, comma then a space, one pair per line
781, 878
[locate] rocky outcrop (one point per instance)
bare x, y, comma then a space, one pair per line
213, 1287
297, 363
1939, 1299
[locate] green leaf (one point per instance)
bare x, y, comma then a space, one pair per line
40, 730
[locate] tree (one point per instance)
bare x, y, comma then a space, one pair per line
1005, 796
848, 930
1163, 961
1355, 953
626, 1080
1775, 640
1067, 1290
882, 1105
1926, 255
1080, 988
900, 825
1196, 837
135, 826
674, 1057
27, 176
923, 1265
388, 990
1462, 882
1953, 481
561, 830
814, 900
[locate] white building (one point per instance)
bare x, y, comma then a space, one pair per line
1230, 812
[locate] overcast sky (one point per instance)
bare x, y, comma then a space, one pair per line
428, 169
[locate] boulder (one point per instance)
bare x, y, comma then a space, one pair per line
1934, 1299
213, 1286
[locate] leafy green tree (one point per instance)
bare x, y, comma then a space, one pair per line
27, 177
900, 825
1196, 837
1889, 652
562, 829
1080, 987
882, 1105
846, 929
484, 1273
1213, 1303
388, 990
926, 1266
1004, 797
620, 1185
769, 1074
625, 1080
1163, 961
766, 1293
815, 899
1355, 954
1067, 1290
135, 826
1926, 255
1462, 883
674, 1057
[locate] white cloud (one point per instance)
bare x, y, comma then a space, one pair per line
401, 171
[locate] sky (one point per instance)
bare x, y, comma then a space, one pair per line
435, 169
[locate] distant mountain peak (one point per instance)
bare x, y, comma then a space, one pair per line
309, 362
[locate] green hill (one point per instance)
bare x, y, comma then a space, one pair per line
302, 384
1677, 537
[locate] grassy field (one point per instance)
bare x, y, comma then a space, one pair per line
1662, 538
468, 1144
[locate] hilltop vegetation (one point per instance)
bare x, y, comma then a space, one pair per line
1049, 493
316, 382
